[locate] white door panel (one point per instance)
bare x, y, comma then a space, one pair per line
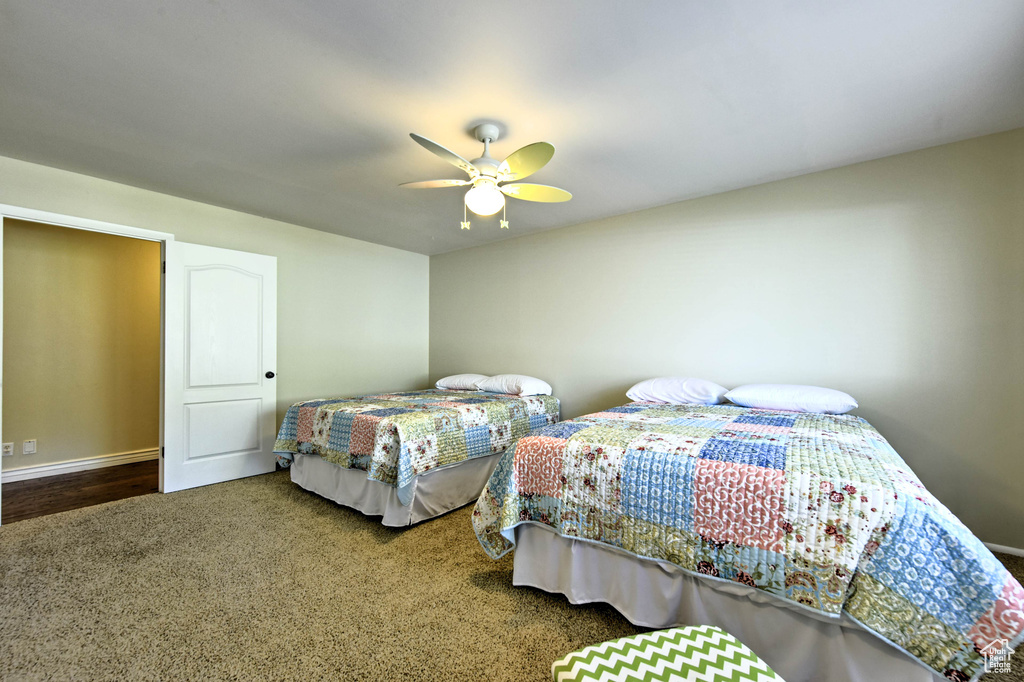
220, 356
222, 428
223, 319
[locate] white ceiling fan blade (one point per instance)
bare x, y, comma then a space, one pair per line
446, 154
525, 161
530, 192
426, 184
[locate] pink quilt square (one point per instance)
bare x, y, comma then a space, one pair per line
364, 429
538, 465
304, 428
739, 503
1005, 620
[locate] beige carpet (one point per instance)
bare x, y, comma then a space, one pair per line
259, 580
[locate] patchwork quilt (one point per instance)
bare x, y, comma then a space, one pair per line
814, 509
395, 437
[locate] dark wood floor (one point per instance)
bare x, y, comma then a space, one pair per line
52, 494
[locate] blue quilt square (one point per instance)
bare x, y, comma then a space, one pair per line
469, 401
388, 411
759, 453
341, 431
658, 487
561, 429
289, 428
938, 565
478, 440
627, 409
538, 421
765, 419
502, 476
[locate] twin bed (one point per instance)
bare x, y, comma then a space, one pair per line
407, 456
803, 534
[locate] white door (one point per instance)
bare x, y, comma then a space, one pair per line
220, 355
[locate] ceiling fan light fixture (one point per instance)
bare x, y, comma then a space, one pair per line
492, 180
484, 198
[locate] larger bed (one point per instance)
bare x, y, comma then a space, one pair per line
406, 456
720, 515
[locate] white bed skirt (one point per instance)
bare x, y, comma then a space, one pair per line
432, 494
798, 645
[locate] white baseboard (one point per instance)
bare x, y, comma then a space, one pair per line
25, 473
1004, 549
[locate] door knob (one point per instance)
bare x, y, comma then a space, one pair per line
270, 375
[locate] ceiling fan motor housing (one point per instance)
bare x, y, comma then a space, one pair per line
487, 166
486, 132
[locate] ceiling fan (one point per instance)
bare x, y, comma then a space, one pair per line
493, 180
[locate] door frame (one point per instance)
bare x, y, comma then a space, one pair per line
75, 223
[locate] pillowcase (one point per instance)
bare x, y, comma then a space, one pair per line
460, 382
677, 391
514, 384
792, 397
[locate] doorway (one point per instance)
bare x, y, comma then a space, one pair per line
218, 351
81, 391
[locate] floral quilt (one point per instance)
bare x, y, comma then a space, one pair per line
395, 437
814, 509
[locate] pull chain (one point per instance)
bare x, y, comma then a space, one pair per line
465, 218
504, 223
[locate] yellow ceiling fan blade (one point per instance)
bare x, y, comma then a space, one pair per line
530, 192
525, 161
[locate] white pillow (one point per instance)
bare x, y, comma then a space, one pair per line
793, 398
678, 391
514, 384
460, 382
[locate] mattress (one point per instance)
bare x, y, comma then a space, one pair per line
814, 512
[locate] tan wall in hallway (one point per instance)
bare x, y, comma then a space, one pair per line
81, 343
352, 316
900, 281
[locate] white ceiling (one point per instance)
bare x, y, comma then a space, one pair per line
300, 110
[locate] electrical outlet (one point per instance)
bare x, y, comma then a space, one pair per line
8, 449
29, 447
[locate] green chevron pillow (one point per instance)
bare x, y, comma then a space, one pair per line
677, 655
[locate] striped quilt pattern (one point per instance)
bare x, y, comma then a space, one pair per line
395, 437
691, 654
814, 509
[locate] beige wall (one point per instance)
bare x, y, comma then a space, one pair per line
352, 316
81, 343
900, 281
